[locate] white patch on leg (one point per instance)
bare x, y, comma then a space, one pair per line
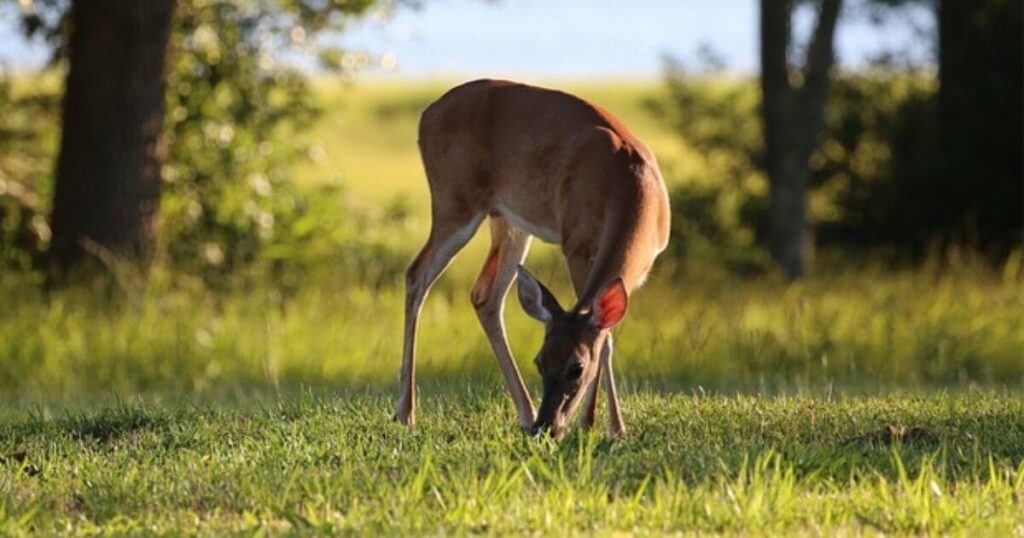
447, 250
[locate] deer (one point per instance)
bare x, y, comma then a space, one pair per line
537, 162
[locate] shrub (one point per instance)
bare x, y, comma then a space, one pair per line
872, 171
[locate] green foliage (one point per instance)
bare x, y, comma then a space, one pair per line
231, 119
875, 168
337, 464
27, 119
237, 109
720, 206
236, 112
871, 171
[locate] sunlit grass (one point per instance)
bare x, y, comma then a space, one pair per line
338, 464
857, 330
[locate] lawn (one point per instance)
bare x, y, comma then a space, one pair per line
938, 463
861, 399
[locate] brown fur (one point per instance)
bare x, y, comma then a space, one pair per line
535, 161
556, 161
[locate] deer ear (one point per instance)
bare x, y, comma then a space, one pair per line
537, 301
610, 305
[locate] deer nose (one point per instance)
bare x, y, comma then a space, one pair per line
539, 428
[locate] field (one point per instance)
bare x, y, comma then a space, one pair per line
862, 399
695, 463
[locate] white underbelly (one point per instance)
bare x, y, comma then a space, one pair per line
544, 234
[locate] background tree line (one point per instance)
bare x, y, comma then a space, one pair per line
182, 110
894, 160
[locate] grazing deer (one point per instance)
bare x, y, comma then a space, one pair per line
539, 162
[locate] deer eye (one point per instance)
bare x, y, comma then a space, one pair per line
575, 370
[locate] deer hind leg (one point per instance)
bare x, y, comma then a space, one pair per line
447, 237
508, 249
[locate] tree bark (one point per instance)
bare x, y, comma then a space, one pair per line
793, 113
107, 189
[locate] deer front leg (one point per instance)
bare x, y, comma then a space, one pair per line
615, 425
446, 239
508, 248
415, 291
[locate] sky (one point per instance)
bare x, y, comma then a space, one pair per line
573, 38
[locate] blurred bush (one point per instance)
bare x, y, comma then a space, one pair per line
231, 119
873, 170
28, 118
236, 114
720, 205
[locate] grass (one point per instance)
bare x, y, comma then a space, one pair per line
857, 331
695, 463
755, 406
851, 403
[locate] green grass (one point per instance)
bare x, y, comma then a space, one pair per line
337, 464
857, 331
805, 381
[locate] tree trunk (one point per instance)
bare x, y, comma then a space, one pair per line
788, 241
980, 106
108, 173
793, 115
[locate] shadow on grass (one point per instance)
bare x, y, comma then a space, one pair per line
693, 437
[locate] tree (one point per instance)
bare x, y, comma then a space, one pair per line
107, 190
793, 111
226, 83
979, 111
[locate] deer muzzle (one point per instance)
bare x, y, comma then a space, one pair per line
557, 405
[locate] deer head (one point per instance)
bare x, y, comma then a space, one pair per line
568, 359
